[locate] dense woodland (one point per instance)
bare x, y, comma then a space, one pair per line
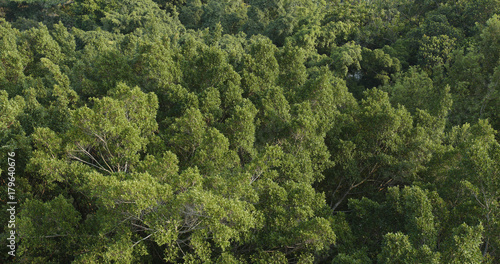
251, 131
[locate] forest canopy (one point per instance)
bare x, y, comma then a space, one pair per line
250, 131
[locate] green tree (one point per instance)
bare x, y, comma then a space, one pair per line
397, 249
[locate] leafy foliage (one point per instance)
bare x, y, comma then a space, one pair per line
251, 131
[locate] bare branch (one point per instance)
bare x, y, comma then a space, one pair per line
143, 239
71, 156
